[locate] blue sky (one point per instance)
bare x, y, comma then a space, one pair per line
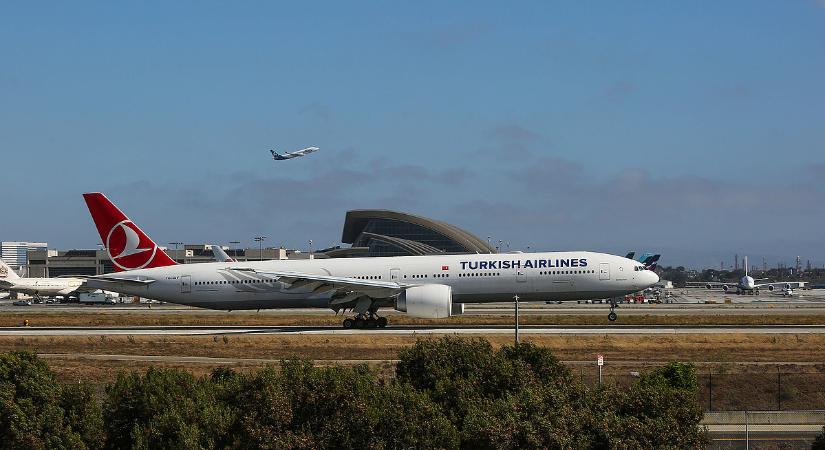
696, 129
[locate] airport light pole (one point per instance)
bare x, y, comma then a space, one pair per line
235, 251
515, 298
176, 248
100, 269
310, 249
260, 240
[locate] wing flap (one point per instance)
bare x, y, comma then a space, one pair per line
133, 281
297, 280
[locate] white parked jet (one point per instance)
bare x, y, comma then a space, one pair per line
289, 155
422, 286
48, 287
220, 255
748, 285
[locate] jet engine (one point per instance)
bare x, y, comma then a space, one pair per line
709, 286
770, 287
431, 301
725, 287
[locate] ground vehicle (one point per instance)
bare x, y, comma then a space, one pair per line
95, 298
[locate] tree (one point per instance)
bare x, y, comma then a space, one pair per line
164, 408
38, 412
819, 442
658, 411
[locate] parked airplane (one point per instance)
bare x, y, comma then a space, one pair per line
422, 286
289, 155
220, 255
49, 287
748, 284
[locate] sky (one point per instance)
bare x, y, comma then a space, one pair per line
691, 129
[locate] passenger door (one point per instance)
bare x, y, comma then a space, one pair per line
604, 271
395, 275
185, 284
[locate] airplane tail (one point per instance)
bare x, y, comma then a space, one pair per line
129, 248
275, 154
220, 255
6, 272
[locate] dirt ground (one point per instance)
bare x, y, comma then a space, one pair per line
101, 357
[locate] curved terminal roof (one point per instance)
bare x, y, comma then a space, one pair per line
357, 221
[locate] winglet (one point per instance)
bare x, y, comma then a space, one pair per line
6, 272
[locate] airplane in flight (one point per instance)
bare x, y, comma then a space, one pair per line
749, 285
48, 287
289, 155
422, 286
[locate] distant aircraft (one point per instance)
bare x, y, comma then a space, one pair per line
748, 284
649, 260
10, 281
289, 155
220, 255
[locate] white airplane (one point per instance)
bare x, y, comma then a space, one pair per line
422, 286
220, 255
748, 284
289, 155
48, 287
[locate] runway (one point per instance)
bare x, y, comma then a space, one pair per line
484, 309
410, 330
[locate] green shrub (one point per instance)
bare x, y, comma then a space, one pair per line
38, 412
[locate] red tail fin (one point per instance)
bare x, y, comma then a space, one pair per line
128, 246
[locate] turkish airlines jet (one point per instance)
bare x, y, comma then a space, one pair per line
422, 286
49, 287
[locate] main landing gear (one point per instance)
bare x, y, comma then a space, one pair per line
368, 320
612, 316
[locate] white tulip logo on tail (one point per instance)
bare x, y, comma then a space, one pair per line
127, 249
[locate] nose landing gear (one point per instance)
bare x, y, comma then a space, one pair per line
612, 316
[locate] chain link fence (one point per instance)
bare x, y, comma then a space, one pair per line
719, 391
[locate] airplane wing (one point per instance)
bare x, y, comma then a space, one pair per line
6, 284
117, 279
782, 285
347, 290
713, 284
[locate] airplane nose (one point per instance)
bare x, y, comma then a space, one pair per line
654, 278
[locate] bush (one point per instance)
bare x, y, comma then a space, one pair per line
659, 411
37, 412
448, 393
164, 408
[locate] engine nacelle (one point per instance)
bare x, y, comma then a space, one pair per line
787, 286
725, 287
431, 301
771, 287
708, 286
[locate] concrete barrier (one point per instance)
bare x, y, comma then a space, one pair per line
764, 418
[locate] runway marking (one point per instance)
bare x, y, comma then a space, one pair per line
412, 330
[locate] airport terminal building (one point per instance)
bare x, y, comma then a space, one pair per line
370, 233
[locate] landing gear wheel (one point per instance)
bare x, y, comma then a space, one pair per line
612, 316
382, 322
349, 323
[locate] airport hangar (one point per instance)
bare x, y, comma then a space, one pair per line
370, 233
